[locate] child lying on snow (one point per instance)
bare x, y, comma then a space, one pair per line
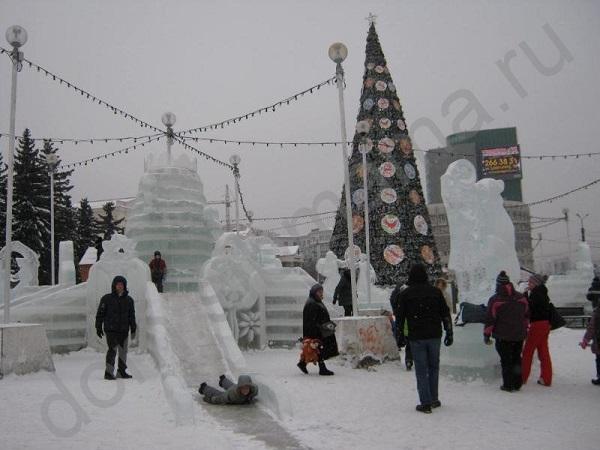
235, 394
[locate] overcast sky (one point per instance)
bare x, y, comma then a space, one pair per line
211, 60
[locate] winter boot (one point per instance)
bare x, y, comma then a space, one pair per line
201, 388
409, 364
323, 370
302, 366
109, 376
596, 382
436, 404
123, 374
221, 378
424, 409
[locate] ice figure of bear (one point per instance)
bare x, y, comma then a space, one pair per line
482, 241
329, 268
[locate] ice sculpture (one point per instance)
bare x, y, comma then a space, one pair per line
365, 276
569, 290
262, 300
170, 215
118, 258
239, 288
329, 267
482, 238
66, 264
28, 265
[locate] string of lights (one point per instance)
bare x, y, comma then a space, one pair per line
248, 216
84, 140
86, 94
323, 144
256, 219
85, 162
264, 109
283, 227
556, 197
201, 153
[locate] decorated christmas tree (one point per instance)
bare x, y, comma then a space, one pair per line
400, 229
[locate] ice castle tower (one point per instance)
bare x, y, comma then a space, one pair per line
169, 214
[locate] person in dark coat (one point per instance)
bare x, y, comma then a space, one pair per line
115, 317
401, 337
507, 320
592, 333
243, 392
343, 293
314, 315
158, 270
423, 307
539, 330
593, 294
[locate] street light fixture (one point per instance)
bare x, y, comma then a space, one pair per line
16, 37
51, 163
581, 219
169, 119
235, 161
338, 53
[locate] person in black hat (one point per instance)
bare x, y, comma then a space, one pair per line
115, 317
507, 319
158, 270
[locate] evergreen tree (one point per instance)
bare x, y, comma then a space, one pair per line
31, 220
64, 214
87, 229
107, 225
400, 229
3, 171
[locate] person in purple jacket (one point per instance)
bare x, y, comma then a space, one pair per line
593, 334
507, 321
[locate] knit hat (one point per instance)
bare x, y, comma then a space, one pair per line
502, 279
536, 279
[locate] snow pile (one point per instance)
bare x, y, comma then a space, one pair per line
482, 236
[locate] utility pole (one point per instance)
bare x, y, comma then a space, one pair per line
227, 209
581, 219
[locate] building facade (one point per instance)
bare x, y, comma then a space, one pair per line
312, 246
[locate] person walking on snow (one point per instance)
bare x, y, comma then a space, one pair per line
314, 316
115, 317
158, 270
424, 308
539, 330
592, 333
402, 342
234, 394
507, 319
343, 293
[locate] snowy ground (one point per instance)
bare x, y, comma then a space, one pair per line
354, 409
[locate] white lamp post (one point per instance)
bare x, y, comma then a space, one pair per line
364, 149
169, 119
52, 162
338, 53
16, 37
235, 161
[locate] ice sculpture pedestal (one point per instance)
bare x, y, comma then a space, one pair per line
363, 339
25, 349
469, 358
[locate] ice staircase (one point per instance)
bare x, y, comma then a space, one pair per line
61, 310
286, 293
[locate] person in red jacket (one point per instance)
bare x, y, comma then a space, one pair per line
507, 320
158, 270
539, 330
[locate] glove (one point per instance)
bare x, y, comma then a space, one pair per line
449, 339
583, 344
487, 339
401, 340
99, 332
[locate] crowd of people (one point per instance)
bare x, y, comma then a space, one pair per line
517, 324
